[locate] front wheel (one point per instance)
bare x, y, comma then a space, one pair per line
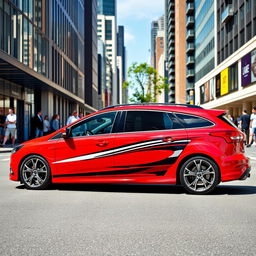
199, 175
35, 173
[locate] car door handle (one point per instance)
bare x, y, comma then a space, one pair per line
168, 139
102, 143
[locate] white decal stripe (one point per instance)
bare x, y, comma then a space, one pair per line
109, 152
119, 150
176, 153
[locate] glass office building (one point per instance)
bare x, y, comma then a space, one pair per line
204, 38
107, 7
42, 58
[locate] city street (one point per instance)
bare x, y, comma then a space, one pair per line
127, 219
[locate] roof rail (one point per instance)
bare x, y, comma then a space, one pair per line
154, 104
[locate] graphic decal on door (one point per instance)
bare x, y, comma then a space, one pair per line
146, 145
158, 168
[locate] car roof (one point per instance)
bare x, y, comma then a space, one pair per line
180, 108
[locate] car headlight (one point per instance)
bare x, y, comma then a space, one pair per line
17, 148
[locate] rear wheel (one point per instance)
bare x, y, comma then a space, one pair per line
35, 172
199, 175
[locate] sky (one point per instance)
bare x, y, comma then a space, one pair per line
136, 16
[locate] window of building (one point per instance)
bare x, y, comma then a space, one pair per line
108, 29
235, 43
254, 25
242, 37
248, 5
190, 121
242, 13
248, 31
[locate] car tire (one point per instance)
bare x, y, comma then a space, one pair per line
199, 175
35, 173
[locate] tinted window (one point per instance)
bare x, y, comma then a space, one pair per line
99, 124
147, 121
176, 124
193, 121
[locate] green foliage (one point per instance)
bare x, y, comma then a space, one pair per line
145, 83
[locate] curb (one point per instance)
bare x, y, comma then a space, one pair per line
5, 150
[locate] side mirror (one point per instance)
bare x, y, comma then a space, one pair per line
66, 133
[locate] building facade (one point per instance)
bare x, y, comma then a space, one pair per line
42, 64
231, 85
121, 64
107, 32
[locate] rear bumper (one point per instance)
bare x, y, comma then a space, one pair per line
246, 174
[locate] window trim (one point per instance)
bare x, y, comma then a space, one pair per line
121, 118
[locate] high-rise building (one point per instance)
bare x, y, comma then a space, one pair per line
91, 54
107, 32
156, 25
170, 47
42, 59
121, 64
231, 85
102, 69
107, 7
204, 38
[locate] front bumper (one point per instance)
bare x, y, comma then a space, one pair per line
246, 174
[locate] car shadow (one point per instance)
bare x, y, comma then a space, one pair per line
151, 189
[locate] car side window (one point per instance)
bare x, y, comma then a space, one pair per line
99, 124
190, 121
147, 121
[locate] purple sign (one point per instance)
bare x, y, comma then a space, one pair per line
246, 69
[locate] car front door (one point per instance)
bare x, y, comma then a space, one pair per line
85, 151
149, 143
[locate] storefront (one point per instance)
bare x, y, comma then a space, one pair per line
22, 101
232, 84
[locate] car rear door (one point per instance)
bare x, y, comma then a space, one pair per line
149, 143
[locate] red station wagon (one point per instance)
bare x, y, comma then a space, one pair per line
137, 143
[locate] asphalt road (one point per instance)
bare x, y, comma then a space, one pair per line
127, 220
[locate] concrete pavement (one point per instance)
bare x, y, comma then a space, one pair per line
127, 220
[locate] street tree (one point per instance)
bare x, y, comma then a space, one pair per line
145, 83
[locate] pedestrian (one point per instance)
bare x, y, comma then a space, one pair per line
55, 123
245, 125
73, 118
231, 118
46, 125
253, 126
81, 115
39, 124
10, 127
2, 125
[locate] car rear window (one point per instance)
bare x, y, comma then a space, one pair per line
191, 121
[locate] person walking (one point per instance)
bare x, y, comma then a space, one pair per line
10, 127
46, 125
73, 118
245, 125
2, 125
253, 127
39, 124
81, 115
55, 123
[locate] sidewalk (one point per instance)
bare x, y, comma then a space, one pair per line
7, 148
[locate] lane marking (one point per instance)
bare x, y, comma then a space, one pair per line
5, 159
252, 158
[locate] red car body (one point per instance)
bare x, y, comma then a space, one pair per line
148, 157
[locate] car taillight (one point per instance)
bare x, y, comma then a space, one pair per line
229, 136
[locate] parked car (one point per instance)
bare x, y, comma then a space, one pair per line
148, 144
